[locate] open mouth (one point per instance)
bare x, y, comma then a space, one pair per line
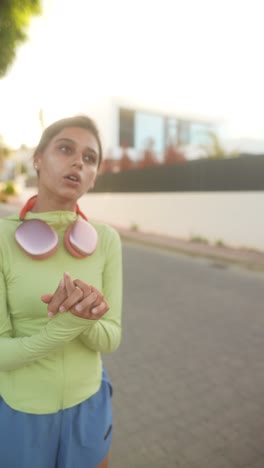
73, 178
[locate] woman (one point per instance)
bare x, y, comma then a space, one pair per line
60, 308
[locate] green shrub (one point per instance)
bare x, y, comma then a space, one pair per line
134, 227
199, 239
9, 189
219, 243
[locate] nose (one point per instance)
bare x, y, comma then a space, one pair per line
78, 160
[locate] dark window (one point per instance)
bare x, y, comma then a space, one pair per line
200, 133
126, 128
149, 127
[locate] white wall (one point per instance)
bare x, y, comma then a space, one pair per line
235, 218
232, 217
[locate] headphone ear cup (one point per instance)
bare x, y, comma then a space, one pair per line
81, 239
37, 239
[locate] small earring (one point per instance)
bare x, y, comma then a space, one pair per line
35, 166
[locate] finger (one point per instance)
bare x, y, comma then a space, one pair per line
100, 296
86, 288
98, 301
69, 285
46, 298
57, 299
87, 302
72, 300
100, 309
88, 314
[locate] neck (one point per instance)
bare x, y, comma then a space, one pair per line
43, 204
31, 203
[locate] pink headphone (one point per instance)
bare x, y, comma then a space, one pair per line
40, 241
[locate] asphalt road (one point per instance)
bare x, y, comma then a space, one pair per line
189, 376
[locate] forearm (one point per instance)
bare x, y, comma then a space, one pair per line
18, 352
104, 337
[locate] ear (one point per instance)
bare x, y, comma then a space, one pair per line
37, 161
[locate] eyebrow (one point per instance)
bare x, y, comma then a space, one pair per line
69, 140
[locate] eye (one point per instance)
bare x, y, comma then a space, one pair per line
90, 158
65, 149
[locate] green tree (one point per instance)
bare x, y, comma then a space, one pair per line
4, 153
15, 17
216, 150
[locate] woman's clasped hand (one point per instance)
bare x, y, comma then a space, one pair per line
78, 297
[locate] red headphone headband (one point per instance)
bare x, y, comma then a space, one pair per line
31, 203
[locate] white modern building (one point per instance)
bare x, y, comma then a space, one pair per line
133, 125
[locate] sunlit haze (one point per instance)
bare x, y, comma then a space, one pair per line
197, 56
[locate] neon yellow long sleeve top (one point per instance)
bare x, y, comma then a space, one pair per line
48, 364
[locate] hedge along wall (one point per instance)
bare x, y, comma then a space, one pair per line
244, 173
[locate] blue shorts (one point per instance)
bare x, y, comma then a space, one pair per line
77, 437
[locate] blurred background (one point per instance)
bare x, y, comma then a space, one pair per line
176, 88
153, 75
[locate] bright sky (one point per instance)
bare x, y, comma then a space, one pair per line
198, 56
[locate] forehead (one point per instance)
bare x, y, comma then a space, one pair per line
79, 136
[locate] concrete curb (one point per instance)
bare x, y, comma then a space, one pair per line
250, 259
